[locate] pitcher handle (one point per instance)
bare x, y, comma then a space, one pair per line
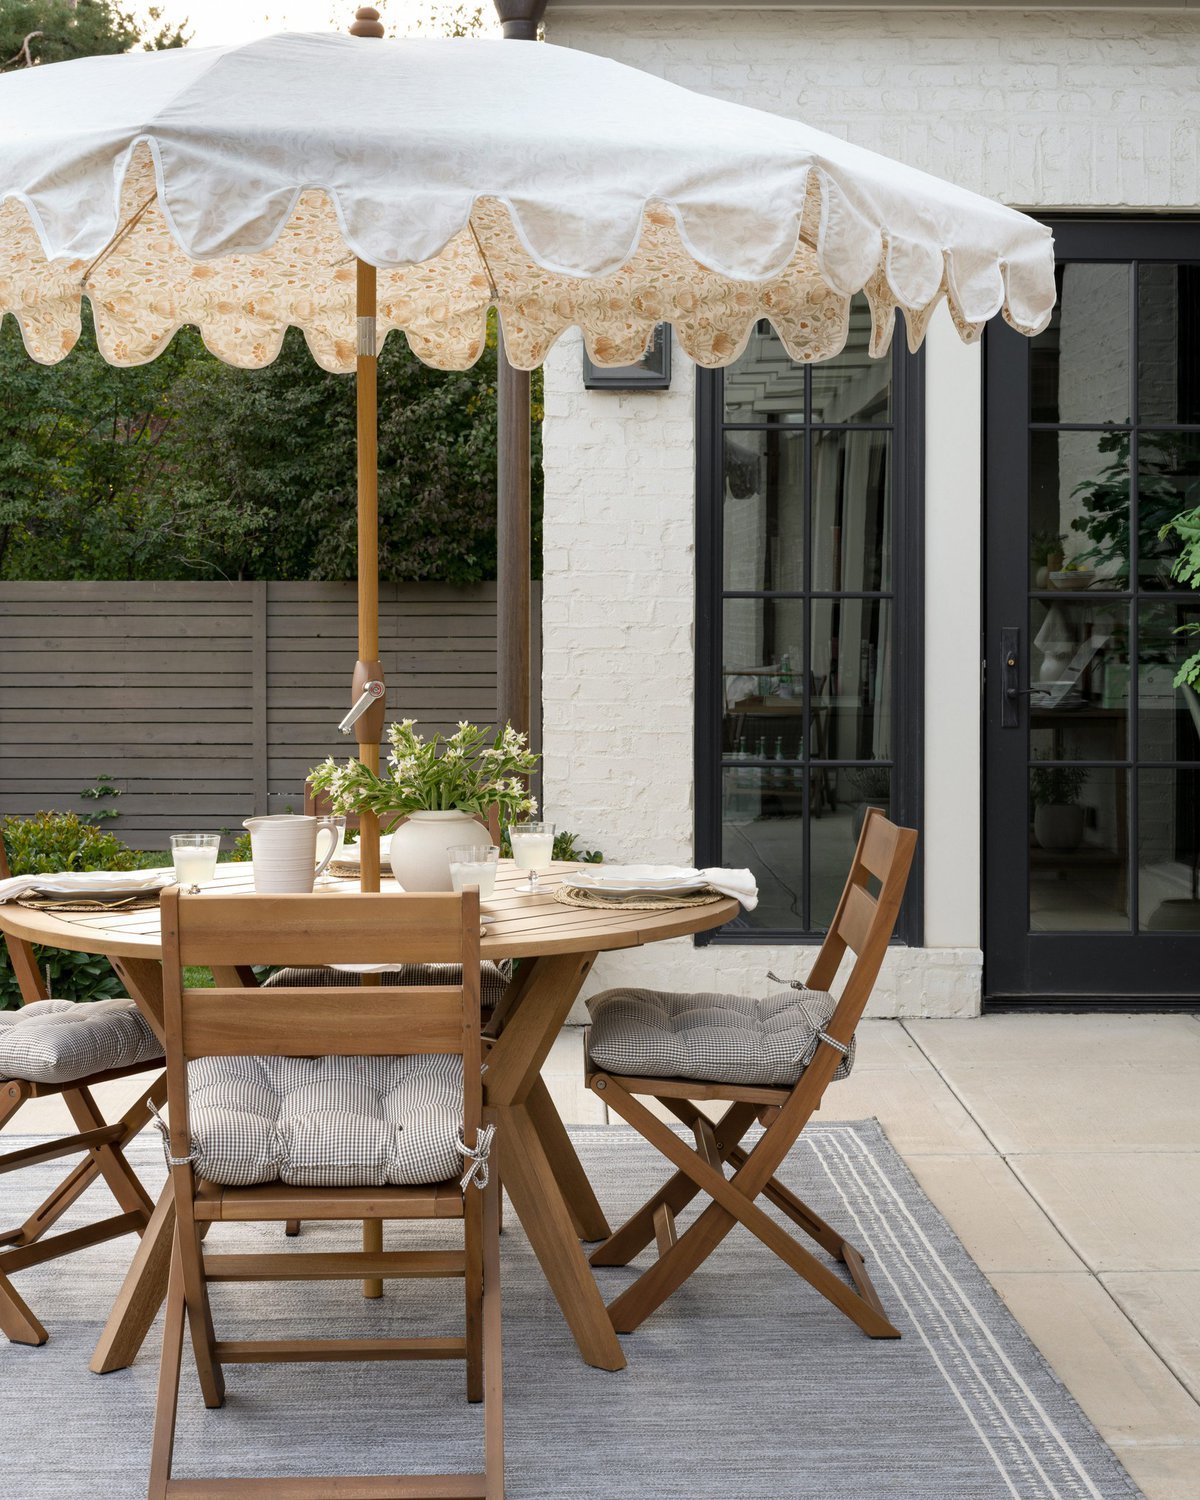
329, 829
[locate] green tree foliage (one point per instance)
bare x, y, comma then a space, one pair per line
45, 31
188, 468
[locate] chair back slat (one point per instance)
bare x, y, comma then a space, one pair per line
350, 1022
857, 917
877, 847
862, 923
341, 927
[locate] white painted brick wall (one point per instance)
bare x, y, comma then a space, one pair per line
1069, 109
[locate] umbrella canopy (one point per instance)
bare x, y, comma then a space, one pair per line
233, 187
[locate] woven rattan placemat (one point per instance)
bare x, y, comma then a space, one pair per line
130, 903
568, 895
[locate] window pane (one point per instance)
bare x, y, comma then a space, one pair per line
852, 516
1168, 482
763, 678
1079, 509
1169, 343
763, 510
839, 799
1079, 366
1077, 850
762, 828
1169, 851
1168, 716
764, 385
1078, 679
852, 679
853, 387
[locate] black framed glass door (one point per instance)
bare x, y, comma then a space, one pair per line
1092, 777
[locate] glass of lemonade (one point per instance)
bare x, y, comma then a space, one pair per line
474, 864
533, 850
195, 857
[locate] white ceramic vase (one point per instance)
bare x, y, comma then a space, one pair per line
419, 858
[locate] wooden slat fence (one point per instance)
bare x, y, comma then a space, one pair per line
208, 702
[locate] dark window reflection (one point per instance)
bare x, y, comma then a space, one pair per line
1169, 851
764, 385
763, 510
852, 668
852, 518
1079, 366
1169, 343
1168, 483
1168, 716
1079, 510
1078, 842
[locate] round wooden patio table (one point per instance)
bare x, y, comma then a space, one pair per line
542, 1174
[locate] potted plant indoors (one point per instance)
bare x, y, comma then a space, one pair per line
1058, 817
438, 790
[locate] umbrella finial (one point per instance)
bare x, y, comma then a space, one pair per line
366, 22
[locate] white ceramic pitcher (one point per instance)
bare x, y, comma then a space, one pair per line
283, 847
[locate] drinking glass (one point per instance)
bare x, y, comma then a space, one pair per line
474, 864
195, 858
533, 850
336, 821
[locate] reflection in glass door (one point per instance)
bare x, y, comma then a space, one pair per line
1093, 754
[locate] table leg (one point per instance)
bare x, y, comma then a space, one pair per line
533, 1188
541, 1171
586, 1213
141, 1294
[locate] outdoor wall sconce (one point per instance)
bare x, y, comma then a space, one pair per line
651, 373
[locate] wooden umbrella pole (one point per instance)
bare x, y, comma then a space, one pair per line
368, 668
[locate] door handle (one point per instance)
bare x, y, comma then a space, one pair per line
1010, 677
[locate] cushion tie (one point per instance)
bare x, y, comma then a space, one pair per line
165, 1131
478, 1171
822, 1036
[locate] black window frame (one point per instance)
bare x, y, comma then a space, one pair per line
907, 589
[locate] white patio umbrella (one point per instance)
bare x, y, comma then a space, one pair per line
350, 190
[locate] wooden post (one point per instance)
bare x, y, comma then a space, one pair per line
514, 686
368, 668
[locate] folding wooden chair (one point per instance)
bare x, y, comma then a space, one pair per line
345, 1040
635, 1027
103, 1143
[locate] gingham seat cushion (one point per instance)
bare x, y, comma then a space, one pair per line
326, 1121
492, 978
60, 1041
711, 1038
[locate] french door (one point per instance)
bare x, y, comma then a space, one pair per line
1092, 819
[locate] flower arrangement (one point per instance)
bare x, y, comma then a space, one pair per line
466, 771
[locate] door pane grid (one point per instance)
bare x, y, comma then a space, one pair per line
1100, 675
806, 672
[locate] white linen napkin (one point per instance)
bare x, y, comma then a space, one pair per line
83, 882
740, 884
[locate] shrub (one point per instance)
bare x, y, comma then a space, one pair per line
41, 845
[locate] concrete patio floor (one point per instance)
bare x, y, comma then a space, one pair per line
1065, 1152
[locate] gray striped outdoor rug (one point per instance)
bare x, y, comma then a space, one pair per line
745, 1385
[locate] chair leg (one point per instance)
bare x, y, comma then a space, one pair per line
122, 1181
731, 1205
188, 1245
17, 1321
167, 1406
474, 1286
493, 1349
676, 1193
